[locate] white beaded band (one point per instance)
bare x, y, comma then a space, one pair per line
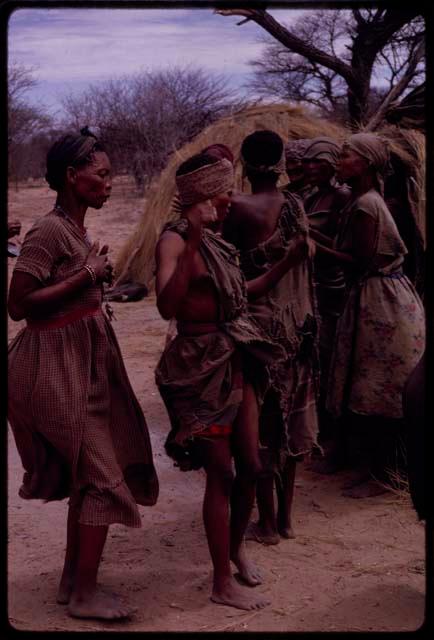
91, 272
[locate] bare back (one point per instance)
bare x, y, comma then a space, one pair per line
253, 218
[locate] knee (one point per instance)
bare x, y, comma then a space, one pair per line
227, 478
221, 476
251, 470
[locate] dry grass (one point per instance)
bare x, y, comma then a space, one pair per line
398, 486
290, 122
409, 146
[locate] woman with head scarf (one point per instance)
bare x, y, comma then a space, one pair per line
216, 150
78, 426
323, 207
380, 335
212, 375
298, 179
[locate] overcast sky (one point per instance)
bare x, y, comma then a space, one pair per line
71, 48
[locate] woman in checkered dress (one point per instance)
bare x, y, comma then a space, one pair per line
78, 426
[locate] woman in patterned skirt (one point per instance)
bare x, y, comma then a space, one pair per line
78, 426
380, 335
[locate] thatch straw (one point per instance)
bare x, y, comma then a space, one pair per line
409, 146
291, 123
288, 121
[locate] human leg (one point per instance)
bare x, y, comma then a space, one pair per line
71, 555
248, 469
285, 498
105, 499
86, 600
217, 458
335, 448
265, 529
369, 447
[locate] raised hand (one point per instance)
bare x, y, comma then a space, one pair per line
14, 228
198, 215
99, 262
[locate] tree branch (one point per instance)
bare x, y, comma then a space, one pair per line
290, 41
397, 90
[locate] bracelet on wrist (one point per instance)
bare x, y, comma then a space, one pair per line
91, 272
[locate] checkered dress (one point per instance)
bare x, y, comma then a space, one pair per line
78, 426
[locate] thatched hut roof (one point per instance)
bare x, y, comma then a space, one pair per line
290, 122
410, 111
408, 146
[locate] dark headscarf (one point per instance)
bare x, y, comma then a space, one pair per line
71, 150
375, 150
220, 151
294, 149
323, 148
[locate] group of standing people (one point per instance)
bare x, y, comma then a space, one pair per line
294, 322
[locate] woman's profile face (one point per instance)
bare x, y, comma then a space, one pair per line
222, 203
93, 182
351, 164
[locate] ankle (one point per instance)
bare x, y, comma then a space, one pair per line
267, 526
221, 582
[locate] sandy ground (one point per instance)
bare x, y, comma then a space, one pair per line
353, 566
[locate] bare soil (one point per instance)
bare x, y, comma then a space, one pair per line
355, 565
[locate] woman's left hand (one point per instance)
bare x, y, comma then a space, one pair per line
108, 268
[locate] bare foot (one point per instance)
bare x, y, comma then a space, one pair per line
367, 489
101, 605
233, 595
66, 588
284, 526
248, 572
64, 592
255, 532
286, 532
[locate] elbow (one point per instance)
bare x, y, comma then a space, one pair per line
15, 312
164, 310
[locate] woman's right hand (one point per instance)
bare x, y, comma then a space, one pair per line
299, 249
100, 263
14, 228
198, 215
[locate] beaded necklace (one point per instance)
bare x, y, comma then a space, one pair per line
83, 232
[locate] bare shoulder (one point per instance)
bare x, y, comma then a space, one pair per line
241, 207
241, 200
169, 243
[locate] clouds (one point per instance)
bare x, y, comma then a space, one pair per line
74, 47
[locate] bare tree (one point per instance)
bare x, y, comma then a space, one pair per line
331, 59
24, 120
144, 118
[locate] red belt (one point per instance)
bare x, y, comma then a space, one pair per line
216, 430
62, 321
